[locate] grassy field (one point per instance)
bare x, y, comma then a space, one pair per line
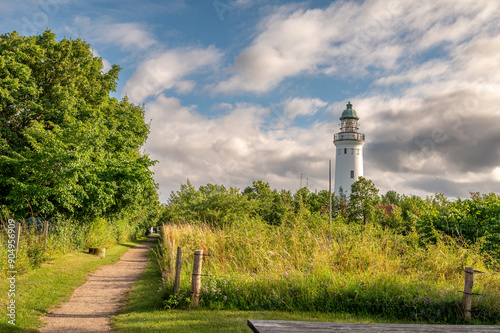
40, 289
366, 271
144, 313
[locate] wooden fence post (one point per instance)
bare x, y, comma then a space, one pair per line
469, 282
196, 277
178, 266
17, 230
172, 255
45, 234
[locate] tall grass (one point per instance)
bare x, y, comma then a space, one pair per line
313, 267
65, 235
34, 248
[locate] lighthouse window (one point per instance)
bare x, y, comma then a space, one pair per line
339, 151
352, 174
345, 150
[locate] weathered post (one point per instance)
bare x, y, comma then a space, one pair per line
469, 282
178, 266
172, 255
17, 233
196, 277
45, 234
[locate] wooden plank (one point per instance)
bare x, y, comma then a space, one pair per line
278, 326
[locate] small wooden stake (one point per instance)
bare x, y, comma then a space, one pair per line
178, 266
17, 230
196, 277
45, 234
469, 282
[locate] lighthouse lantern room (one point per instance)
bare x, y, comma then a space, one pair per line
349, 154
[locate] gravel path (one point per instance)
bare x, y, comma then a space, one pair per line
89, 308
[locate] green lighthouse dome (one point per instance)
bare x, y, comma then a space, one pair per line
349, 113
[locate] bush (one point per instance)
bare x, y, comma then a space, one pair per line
99, 234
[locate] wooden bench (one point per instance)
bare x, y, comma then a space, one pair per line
278, 326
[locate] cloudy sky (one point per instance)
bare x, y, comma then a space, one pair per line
240, 90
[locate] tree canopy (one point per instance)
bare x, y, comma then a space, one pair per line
66, 147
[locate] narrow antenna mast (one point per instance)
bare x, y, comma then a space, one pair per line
330, 193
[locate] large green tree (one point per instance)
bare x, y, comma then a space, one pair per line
362, 200
66, 147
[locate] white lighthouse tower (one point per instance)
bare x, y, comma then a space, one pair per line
349, 153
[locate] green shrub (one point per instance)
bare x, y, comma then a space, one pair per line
99, 234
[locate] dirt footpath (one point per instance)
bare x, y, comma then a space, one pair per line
89, 308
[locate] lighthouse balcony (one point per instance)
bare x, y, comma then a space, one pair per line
344, 136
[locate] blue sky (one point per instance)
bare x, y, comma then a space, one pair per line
240, 90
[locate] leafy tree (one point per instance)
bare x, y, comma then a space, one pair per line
181, 204
391, 198
66, 147
221, 206
318, 202
212, 204
362, 201
270, 204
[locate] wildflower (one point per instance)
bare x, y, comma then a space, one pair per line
225, 298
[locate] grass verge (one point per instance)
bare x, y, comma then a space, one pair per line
143, 312
54, 282
197, 321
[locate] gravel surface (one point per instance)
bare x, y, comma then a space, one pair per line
89, 308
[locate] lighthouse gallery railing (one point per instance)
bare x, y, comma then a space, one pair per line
348, 136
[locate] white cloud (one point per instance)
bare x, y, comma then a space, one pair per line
496, 174
232, 149
419, 74
288, 45
348, 38
186, 86
222, 106
167, 70
302, 106
128, 36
